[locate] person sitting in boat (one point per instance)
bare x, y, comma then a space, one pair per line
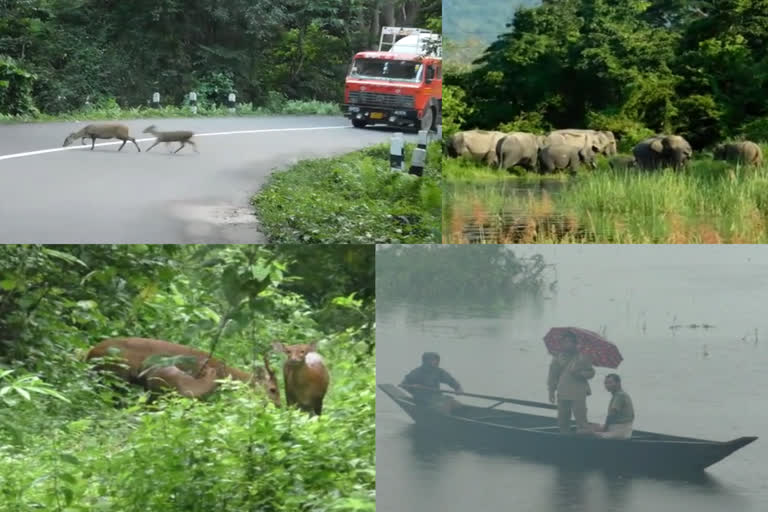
569, 372
621, 413
423, 383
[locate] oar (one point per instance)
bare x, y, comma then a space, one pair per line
499, 399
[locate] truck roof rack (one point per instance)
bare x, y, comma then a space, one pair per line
391, 35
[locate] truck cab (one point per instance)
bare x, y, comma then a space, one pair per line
399, 85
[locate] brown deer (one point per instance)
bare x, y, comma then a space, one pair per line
170, 377
134, 353
183, 137
102, 131
306, 378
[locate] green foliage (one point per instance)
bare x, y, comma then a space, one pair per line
65, 447
756, 129
15, 88
354, 198
649, 66
455, 109
89, 49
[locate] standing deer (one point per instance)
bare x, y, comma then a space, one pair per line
306, 378
183, 137
134, 353
102, 131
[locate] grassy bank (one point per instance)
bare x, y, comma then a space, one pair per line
110, 110
354, 198
709, 202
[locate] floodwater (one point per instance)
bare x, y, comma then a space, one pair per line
684, 380
502, 212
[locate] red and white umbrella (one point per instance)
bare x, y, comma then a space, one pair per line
603, 352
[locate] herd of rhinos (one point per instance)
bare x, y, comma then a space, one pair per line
161, 365
121, 132
570, 148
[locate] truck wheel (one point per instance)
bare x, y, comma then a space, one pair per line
359, 123
427, 120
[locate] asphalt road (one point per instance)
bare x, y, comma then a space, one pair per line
105, 196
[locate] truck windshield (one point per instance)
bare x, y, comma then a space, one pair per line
406, 70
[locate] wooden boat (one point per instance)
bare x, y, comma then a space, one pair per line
539, 437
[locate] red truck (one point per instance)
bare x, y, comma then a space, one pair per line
402, 86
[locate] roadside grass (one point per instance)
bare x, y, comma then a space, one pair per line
110, 110
709, 202
353, 198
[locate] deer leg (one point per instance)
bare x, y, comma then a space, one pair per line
123, 144
93, 142
194, 146
137, 146
318, 407
182, 145
153, 145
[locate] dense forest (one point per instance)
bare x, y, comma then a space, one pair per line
56, 54
72, 439
483, 276
698, 68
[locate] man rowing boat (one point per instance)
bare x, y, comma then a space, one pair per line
423, 383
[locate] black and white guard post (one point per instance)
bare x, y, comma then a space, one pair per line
396, 155
193, 101
231, 100
156, 100
419, 157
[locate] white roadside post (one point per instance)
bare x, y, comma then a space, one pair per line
231, 99
419, 158
396, 157
193, 101
156, 100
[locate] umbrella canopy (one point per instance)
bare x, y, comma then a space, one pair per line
603, 352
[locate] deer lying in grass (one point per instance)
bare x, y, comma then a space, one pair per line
102, 131
178, 136
134, 355
170, 377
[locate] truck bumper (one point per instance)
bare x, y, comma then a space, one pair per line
382, 115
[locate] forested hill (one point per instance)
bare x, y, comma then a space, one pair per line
482, 21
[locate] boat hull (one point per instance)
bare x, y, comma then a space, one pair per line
537, 437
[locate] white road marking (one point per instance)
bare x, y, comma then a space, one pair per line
212, 134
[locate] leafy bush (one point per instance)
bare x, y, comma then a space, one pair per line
64, 446
355, 198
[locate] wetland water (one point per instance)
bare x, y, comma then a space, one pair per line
685, 380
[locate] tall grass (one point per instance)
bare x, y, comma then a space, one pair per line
709, 202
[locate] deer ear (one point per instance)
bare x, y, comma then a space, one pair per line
312, 346
278, 346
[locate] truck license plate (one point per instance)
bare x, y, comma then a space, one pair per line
377, 115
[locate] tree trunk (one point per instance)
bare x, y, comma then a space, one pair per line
388, 12
412, 12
